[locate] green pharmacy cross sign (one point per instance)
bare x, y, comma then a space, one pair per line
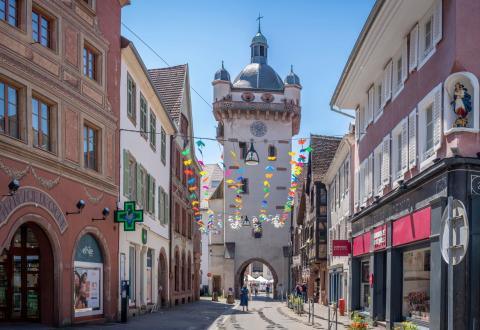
129, 216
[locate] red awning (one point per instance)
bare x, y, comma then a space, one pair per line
411, 228
361, 244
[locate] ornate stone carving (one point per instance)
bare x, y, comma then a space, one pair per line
44, 182
14, 173
94, 199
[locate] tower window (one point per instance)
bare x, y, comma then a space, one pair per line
243, 149
256, 51
262, 51
272, 152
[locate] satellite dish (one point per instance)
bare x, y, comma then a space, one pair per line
460, 230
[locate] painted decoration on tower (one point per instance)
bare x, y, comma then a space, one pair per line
129, 216
267, 97
248, 96
461, 104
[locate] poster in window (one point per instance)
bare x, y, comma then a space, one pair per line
87, 291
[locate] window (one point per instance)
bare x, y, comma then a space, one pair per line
416, 285
429, 128
399, 149
272, 153
163, 206
163, 146
244, 186
377, 169
90, 147
149, 276
365, 285
131, 99
9, 12
41, 124
90, 58
41, 28
143, 116
150, 193
9, 110
129, 175
428, 36
153, 130
398, 71
214, 183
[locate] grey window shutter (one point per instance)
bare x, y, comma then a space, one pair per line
413, 56
386, 161
153, 196
404, 160
412, 139
404, 60
437, 118
437, 22
126, 172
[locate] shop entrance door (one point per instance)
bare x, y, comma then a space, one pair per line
365, 285
20, 278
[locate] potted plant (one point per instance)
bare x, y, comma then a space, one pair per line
358, 322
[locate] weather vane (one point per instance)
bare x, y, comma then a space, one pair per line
259, 19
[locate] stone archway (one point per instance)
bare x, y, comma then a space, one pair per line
241, 270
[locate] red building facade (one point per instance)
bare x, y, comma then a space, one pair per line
58, 139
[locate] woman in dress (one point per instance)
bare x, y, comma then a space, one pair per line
244, 297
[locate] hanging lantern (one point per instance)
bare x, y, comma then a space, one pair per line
246, 222
252, 156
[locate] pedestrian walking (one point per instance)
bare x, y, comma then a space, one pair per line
244, 298
304, 292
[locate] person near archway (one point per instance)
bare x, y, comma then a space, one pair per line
244, 297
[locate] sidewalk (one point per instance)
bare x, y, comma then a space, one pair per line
321, 317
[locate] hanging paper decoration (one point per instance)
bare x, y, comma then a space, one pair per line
297, 168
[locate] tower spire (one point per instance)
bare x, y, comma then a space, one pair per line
259, 18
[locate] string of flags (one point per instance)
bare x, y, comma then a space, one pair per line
234, 180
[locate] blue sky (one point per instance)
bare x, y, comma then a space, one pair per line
316, 36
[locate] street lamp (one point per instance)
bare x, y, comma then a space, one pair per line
80, 205
252, 156
13, 187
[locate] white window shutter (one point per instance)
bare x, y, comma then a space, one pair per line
404, 145
362, 122
387, 83
413, 56
370, 175
357, 124
404, 60
363, 181
371, 103
412, 139
357, 185
386, 161
437, 22
437, 118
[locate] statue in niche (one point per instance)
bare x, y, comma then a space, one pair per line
462, 105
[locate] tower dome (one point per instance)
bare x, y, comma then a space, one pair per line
258, 74
222, 74
292, 78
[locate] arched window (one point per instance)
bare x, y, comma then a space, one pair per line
88, 277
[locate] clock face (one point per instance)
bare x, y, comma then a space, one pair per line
258, 128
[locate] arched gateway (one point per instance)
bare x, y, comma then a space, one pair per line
239, 275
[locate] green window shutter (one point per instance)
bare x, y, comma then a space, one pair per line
153, 196
148, 200
126, 172
139, 185
160, 205
167, 207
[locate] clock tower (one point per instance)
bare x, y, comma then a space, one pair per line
257, 115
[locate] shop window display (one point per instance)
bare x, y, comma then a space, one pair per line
88, 277
416, 285
365, 285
